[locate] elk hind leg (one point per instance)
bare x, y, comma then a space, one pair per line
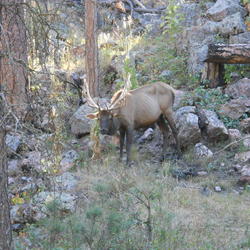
164, 129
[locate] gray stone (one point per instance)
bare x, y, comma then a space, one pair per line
13, 141
246, 142
239, 89
245, 125
14, 168
243, 157
245, 171
215, 129
243, 38
224, 8
66, 182
202, 173
80, 124
231, 25
235, 108
31, 162
68, 159
217, 189
191, 13
187, 125
67, 203
203, 151
234, 134
147, 136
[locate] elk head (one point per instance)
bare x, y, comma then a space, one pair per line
108, 116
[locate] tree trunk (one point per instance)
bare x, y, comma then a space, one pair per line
230, 53
91, 47
5, 224
13, 60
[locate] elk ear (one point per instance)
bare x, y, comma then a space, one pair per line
93, 115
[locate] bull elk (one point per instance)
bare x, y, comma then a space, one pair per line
138, 108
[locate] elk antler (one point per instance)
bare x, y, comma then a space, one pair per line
89, 99
122, 94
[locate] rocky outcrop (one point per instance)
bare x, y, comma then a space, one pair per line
187, 125
215, 128
224, 8
240, 89
235, 108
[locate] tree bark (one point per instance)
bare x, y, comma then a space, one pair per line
91, 47
230, 53
13, 60
5, 223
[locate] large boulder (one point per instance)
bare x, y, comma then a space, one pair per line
240, 38
187, 125
79, 123
239, 89
231, 25
224, 8
235, 108
215, 128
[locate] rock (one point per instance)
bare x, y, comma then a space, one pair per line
231, 25
191, 13
166, 74
215, 129
202, 173
32, 162
66, 182
245, 171
147, 136
240, 89
14, 168
242, 38
187, 125
13, 141
245, 125
203, 151
40, 202
244, 156
235, 108
21, 214
225, 8
244, 180
246, 142
80, 124
68, 159
217, 189
234, 134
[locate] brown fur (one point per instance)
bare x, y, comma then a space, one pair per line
143, 107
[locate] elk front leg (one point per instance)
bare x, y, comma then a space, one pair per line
164, 129
122, 137
129, 140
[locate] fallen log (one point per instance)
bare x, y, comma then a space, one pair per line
229, 54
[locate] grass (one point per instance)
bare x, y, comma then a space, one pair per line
115, 200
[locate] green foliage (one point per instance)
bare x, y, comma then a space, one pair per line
172, 20
206, 98
130, 69
243, 70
